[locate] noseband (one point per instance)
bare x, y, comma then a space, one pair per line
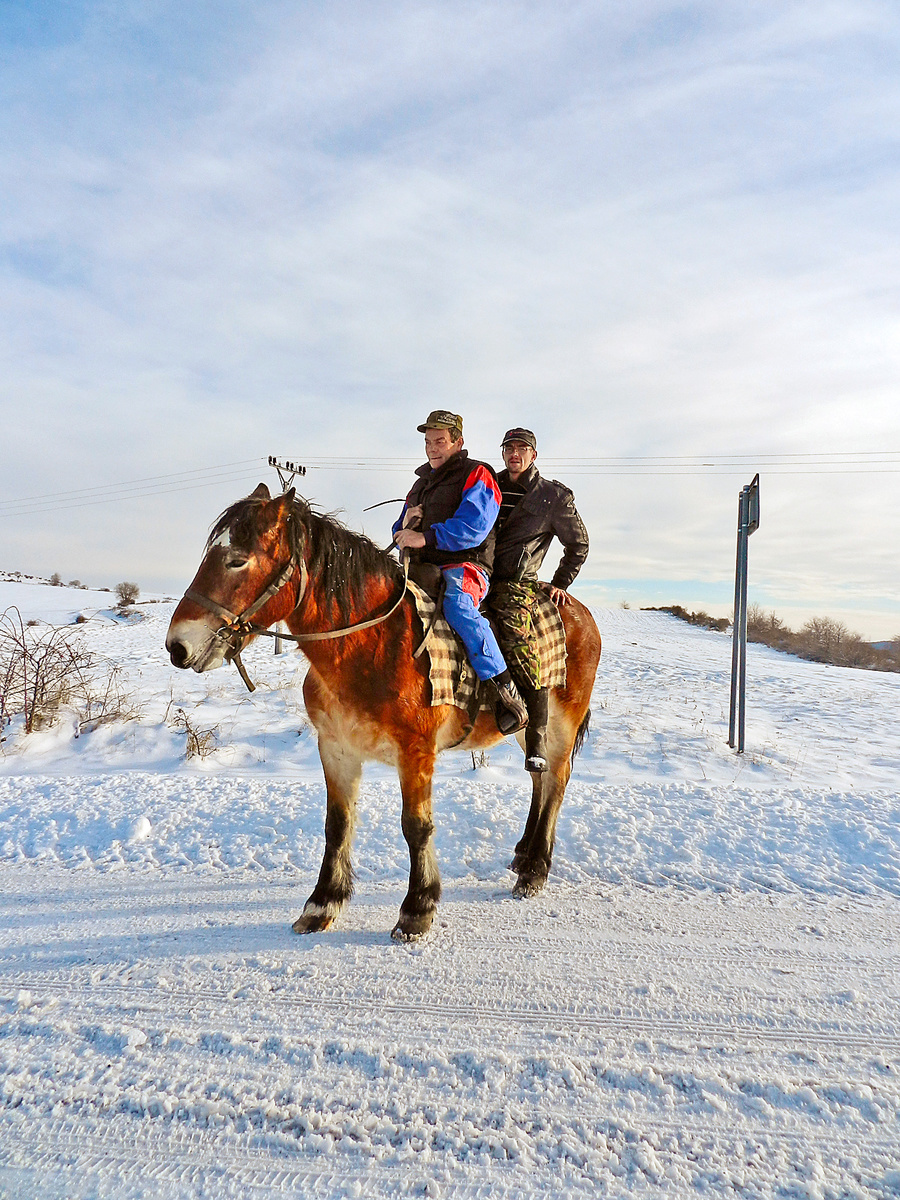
238, 627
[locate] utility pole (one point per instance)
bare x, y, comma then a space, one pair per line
748, 522
286, 472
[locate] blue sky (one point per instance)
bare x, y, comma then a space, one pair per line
661, 235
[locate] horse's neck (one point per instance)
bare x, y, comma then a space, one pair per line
317, 613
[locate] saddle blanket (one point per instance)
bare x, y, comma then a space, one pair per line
452, 679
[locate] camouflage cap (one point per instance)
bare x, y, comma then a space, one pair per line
442, 419
520, 435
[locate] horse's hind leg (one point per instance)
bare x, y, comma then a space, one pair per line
343, 771
534, 814
534, 850
420, 903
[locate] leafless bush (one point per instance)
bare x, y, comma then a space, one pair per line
767, 628
200, 742
45, 671
127, 593
106, 701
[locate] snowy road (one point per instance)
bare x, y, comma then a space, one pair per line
706, 999
631, 1040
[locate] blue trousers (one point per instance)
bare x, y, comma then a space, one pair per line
466, 587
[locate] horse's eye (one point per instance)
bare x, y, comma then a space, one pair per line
234, 562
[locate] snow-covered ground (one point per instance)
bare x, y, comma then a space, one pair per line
705, 999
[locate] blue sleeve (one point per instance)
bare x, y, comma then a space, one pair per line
475, 517
398, 524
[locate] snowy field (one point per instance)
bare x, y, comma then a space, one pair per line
705, 1000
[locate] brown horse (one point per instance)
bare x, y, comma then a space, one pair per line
276, 560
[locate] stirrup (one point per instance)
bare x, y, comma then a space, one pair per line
510, 712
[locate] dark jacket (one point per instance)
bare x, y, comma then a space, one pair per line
547, 510
460, 502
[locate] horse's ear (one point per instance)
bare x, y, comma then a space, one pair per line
261, 493
280, 507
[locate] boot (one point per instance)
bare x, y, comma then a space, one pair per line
538, 701
510, 711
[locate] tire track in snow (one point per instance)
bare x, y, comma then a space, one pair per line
195, 1157
177, 1003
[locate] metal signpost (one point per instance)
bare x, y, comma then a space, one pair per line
748, 522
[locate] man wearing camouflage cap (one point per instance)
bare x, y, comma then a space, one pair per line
533, 511
448, 520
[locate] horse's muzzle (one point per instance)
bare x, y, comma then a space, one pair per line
193, 644
180, 654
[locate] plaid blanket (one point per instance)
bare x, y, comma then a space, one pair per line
452, 679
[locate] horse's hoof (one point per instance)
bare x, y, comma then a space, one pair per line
528, 886
316, 921
410, 929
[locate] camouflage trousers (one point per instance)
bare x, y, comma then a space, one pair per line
511, 606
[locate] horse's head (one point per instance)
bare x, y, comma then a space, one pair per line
249, 549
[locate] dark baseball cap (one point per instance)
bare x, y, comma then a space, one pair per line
441, 419
520, 435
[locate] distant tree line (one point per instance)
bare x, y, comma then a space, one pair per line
703, 619
822, 639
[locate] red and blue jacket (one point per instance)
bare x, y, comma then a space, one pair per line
460, 502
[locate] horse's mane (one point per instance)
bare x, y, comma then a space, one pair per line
341, 560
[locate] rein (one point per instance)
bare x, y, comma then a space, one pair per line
238, 628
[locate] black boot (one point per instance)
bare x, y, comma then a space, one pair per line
510, 712
538, 701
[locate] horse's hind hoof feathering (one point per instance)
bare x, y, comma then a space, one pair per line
410, 929
529, 885
313, 920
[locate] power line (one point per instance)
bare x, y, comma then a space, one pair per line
819, 463
131, 483
135, 495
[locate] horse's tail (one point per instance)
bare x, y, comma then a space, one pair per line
583, 730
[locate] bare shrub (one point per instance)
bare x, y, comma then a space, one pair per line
767, 628
56, 579
44, 672
106, 701
200, 742
821, 639
127, 593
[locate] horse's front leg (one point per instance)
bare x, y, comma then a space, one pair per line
343, 770
420, 903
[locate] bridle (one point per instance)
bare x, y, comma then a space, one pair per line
238, 626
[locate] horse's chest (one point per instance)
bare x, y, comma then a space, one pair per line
356, 731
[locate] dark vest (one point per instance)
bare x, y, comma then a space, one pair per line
440, 494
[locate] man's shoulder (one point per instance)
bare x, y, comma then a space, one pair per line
477, 472
561, 490
552, 489
474, 463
